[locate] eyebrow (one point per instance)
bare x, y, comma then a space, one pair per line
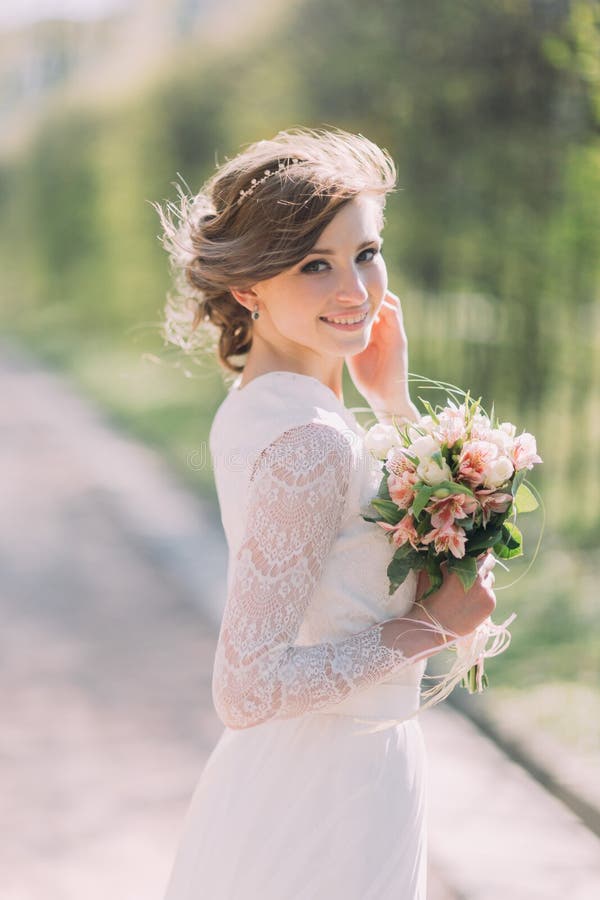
332, 252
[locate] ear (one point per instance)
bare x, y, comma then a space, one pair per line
246, 297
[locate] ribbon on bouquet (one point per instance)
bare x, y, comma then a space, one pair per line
471, 650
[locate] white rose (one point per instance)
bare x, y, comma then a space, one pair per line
480, 428
508, 428
424, 447
498, 471
381, 438
431, 473
501, 439
425, 423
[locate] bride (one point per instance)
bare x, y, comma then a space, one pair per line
316, 789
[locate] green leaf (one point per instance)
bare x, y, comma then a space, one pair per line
429, 408
417, 559
465, 569
502, 551
383, 492
518, 478
483, 539
405, 551
512, 535
468, 524
524, 500
422, 499
389, 510
438, 458
455, 488
432, 566
511, 544
404, 559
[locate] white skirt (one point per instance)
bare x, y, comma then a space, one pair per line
318, 807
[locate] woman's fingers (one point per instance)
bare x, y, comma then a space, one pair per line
388, 309
486, 564
487, 576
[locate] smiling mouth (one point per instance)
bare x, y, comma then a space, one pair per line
345, 321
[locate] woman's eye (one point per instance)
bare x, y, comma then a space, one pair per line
373, 250
310, 267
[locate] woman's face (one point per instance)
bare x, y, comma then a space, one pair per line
344, 276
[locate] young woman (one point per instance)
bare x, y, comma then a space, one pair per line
317, 788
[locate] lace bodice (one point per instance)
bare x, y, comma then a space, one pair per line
307, 590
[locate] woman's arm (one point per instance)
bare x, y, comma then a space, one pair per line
380, 371
297, 496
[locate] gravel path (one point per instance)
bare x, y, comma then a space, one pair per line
105, 668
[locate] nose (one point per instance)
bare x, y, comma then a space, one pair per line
351, 289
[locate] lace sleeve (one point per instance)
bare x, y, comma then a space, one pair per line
297, 496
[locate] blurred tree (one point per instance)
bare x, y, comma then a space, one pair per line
491, 110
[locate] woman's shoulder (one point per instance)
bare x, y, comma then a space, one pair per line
254, 415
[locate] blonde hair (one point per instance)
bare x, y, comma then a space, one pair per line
220, 239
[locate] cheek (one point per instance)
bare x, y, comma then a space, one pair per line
297, 315
377, 278
306, 305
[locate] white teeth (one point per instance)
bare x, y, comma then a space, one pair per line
347, 321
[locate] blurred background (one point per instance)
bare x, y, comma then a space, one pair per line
491, 111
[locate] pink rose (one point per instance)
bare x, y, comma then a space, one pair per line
474, 460
402, 532
401, 487
524, 453
451, 428
398, 462
445, 510
492, 501
453, 539
480, 427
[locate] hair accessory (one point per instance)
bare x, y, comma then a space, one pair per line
268, 172
256, 313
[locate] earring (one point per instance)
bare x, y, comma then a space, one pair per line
256, 313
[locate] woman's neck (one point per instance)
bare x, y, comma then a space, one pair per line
329, 372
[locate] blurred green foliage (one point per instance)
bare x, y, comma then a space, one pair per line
491, 110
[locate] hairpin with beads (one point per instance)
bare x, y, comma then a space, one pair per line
267, 174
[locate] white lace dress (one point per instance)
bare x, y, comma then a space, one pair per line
310, 793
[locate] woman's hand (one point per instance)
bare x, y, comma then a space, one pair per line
380, 371
454, 608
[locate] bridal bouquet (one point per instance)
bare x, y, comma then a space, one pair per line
453, 483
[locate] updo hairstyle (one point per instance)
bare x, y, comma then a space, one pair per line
221, 239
